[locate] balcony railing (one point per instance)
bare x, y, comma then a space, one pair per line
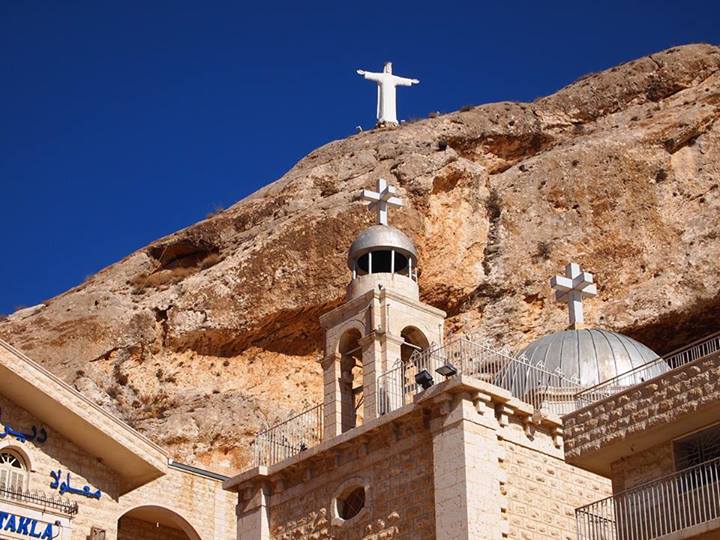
40, 500
546, 391
289, 438
702, 348
677, 502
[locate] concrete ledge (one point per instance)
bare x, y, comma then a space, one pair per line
698, 531
232, 484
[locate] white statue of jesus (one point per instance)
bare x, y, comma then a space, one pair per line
386, 83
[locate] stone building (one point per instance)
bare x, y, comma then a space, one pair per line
71, 471
657, 437
421, 438
585, 434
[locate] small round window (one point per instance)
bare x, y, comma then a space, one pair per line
350, 505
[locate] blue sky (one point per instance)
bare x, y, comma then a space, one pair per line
121, 122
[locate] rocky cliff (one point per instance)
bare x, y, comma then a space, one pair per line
204, 336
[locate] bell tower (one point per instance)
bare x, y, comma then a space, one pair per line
381, 323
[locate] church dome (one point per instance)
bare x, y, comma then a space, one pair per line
381, 238
590, 356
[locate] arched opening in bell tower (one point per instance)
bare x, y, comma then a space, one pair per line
413, 340
351, 379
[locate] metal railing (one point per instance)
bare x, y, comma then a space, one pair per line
676, 502
392, 392
706, 346
545, 391
40, 500
289, 438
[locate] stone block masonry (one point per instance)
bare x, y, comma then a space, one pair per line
643, 467
132, 529
644, 416
199, 500
543, 491
464, 461
396, 465
511, 481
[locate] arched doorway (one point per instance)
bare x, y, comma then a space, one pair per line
152, 522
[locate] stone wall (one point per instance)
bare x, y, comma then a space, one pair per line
642, 467
537, 492
675, 398
465, 460
135, 529
543, 491
197, 499
396, 463
57, 453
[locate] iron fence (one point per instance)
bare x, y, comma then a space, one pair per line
40, 500
546, 391
392, 393
289, 438
676, 502
702, 348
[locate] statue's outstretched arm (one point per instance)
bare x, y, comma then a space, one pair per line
369, 75
402, 81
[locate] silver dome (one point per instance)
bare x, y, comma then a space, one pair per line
379, 237
590, 355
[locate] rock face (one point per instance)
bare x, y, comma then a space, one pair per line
204, 336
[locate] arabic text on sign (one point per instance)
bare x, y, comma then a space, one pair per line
63, 486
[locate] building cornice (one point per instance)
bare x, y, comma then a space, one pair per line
387, 294
329, 319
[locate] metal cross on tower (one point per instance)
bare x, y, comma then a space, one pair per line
381, 199
571, 289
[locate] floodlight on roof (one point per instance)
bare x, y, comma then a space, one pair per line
424, 379
448, 370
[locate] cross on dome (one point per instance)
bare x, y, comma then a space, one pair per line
381, 199
571, 289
